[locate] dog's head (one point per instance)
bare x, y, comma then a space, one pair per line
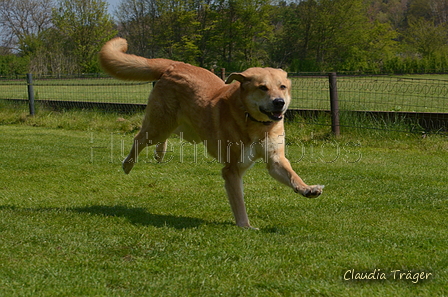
266, 92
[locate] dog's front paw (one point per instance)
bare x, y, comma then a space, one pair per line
313, 191
251, 228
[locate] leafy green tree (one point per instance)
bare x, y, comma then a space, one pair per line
178, 30
295, 33
439, 10
333, 35
23, 22
12, 65
302, 35
207, 19
229, 33
84, 26
242, 29
427, 38
419, 9
138, 23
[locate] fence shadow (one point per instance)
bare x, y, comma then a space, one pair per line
139, 216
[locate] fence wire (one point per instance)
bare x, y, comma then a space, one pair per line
393, 94
102, 90
372, 93
93, 90
378, 102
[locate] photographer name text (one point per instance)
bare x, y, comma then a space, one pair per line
377, 274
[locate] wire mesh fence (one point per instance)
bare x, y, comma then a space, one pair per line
310, 92
13, 89
393, 94
92, 90
424, 101
372, 93
105, 90
412, 102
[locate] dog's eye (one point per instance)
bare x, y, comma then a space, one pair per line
282, 87
263, 88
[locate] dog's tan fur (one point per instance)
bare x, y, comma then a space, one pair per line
240, 122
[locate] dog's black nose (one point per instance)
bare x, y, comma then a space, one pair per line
278, 103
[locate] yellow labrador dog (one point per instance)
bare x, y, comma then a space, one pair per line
240, 122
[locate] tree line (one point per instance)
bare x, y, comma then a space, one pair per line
375, 36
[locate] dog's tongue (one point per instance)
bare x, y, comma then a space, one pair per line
277, 114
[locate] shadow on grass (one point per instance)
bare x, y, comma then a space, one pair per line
139, 216
135, 215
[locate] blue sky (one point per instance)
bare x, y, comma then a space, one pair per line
113, 5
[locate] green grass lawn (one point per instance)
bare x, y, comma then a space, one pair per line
72, 224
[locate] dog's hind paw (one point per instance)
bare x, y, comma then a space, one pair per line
127, 167
313, 191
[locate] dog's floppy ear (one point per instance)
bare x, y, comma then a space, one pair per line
235, 76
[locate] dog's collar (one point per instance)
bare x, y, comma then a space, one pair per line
255, 120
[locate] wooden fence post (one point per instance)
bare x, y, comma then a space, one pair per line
334, 104
29, 80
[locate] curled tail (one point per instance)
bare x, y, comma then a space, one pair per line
116, 62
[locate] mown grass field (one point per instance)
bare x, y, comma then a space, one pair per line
414, 93
72, 224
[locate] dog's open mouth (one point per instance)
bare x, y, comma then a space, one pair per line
273, 115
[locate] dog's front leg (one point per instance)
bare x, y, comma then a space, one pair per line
233, 177
280, 168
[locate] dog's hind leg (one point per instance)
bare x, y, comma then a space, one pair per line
143, 140
160, 151
149, 136
138, 145
157, 126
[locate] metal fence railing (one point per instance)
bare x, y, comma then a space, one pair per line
422, 100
